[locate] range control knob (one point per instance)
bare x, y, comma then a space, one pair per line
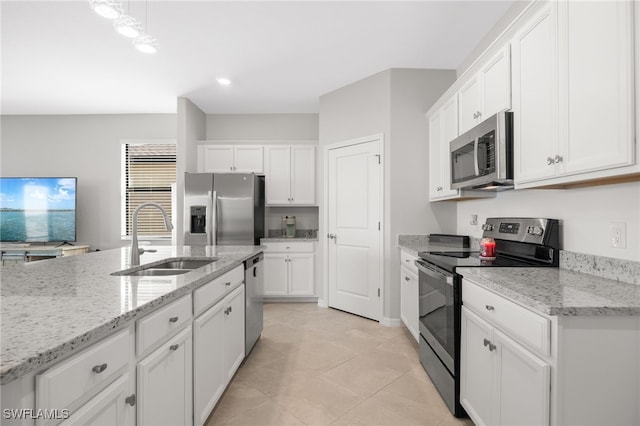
535, 230
487, 227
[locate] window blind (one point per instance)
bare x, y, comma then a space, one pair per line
149, 172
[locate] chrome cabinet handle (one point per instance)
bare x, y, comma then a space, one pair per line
407, 279
230, 309
173, 319
407, 260
131, 399
439, 188
479, 114
99, 368
489, 308
174, 347
492, 347
557, 159
475, 115
549, 161
227, 283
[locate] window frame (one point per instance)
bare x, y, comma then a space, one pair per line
123, 188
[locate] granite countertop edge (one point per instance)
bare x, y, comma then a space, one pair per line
559, 292
43, 359
285, 239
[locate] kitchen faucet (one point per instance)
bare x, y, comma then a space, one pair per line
135, 252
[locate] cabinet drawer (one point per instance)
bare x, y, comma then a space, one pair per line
287, 247
407, 260
208, 294
161, 324
522, 324
86, 372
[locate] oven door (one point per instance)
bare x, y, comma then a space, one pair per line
437, 311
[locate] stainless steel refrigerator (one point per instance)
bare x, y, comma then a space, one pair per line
223, 209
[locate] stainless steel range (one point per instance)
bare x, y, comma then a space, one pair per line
519, 242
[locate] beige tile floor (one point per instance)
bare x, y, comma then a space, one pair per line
316, 366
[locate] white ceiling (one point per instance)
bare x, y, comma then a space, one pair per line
58, 57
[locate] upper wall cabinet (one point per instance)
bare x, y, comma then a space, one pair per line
573, 93
290, 175
443, 127
230, 158
486, 93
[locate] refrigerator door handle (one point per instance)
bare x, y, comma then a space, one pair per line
212, 218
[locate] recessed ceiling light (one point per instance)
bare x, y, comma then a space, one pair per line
223, 81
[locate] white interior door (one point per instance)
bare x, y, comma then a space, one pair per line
354, 216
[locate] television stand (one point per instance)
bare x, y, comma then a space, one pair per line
64, 243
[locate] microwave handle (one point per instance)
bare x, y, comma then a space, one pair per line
475, 157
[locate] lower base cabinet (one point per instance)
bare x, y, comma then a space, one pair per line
409, 294
289, 269
165, 384
502, 382
218, 351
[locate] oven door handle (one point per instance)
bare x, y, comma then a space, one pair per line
434, 273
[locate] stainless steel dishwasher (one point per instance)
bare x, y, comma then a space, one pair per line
254, 292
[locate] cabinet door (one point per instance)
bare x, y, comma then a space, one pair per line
278, 174
165, 383
469, 104
409, 301
234, 331
301, 274
216, 159
535, 100
435, 165
248, 159
108, 408
596, 85
275, 274
449, 132
209, 372
496, 84
303, 175
522, 384
476, 369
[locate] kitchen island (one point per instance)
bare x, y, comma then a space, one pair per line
54, 309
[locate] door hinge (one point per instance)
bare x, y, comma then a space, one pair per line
378, 292
377, 155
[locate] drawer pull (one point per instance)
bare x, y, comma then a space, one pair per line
407, 260
174, 347
99, 368
487, 342
173, 319
489, 308
407, 279
227, 283
131, 399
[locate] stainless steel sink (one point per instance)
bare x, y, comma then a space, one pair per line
183, 264
152, 272
166, 268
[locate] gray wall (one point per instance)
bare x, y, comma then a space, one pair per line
85, 146
392, 103
262, 127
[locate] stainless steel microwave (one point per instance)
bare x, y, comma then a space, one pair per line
482, 158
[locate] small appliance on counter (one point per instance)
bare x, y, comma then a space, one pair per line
511, 242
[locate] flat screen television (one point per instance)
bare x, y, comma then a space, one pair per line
38, 209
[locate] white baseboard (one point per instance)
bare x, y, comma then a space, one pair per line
323, 303
290, 299
391, 322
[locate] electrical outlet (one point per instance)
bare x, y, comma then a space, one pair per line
618, 234
473, 219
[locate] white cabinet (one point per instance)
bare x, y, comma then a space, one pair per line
573, 92
502, 383
485, 93
230, 158
290, 175
409, 296
165, 383
92, 385
289, 269
218, 342
443, 128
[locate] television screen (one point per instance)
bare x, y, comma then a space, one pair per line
37, 209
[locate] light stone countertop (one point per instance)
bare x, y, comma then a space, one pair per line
559, 292
51, 308
286, 240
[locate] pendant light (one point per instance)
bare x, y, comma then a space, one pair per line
146, 43
128, 26
109, 9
